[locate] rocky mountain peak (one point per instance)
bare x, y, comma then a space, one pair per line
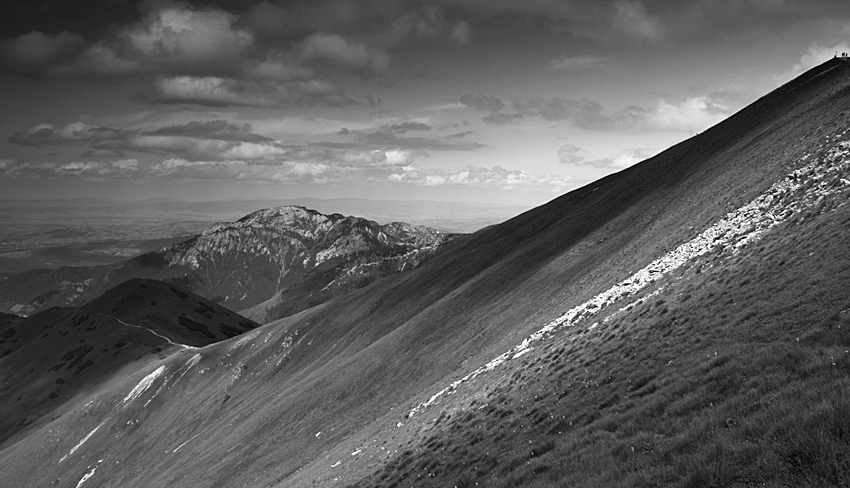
273, 249
288, 215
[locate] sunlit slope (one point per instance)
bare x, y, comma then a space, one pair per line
732, 369
327, 395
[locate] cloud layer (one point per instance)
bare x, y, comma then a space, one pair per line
228, 151
569, 154
691, 114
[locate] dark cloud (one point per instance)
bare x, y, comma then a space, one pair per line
91, 18
502, 118
108, 142
408, 126
390, 135
460, 135
335, 49
75, 134
585, 113
212, 91
233, 39
568, 154
169, 39
220, 140
654, 20
295, 19
691, 114
568, 63
374, 168
214, 139
121, 169
37, 53
103, 153
374, 102
388, 138
480, 101
221, 130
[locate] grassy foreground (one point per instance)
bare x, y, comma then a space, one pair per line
736, 374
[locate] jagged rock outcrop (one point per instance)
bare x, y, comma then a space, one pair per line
278, 261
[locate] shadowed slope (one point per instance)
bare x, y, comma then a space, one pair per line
55, 355
342, 390
182, 317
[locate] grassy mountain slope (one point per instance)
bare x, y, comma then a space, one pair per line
396, 384
735, 374
59, 354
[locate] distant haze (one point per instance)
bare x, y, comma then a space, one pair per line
90, 231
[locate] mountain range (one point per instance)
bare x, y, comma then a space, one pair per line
684, 322
269, 264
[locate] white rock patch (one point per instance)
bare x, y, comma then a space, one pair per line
143, 385
87, 476
83, 441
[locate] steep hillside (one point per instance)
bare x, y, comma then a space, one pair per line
269, 264
55, 355
642, 330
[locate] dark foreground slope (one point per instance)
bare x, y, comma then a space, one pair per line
269, 264
57, 355
568, 345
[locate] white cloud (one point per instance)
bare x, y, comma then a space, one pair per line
395, 157
312, 169
253, 151
186, 35
120, 169
624, 161
692, 114
11, 168
208, 90
568, 154
266, 172
815, 55
479, 177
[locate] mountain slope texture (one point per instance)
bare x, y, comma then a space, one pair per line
684, 322
269, 264
54, 355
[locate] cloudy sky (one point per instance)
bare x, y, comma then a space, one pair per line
510, 101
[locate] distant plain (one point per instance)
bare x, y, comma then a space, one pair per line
89, 232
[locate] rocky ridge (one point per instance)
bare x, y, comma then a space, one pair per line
258, 260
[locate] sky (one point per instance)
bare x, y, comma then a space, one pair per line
507, 102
